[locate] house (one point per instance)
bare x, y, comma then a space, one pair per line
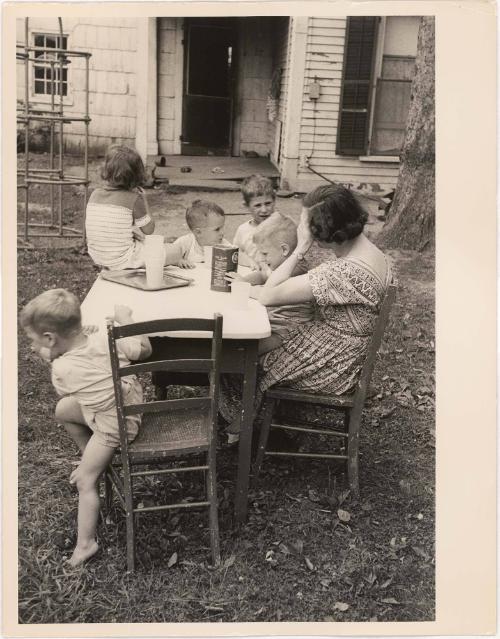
321, 97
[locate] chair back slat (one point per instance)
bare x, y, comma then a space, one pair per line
210, 365
162, 326
167, 405
374, 345
183, 365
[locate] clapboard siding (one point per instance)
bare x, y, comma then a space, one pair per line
112, 78
318, 126
170, 55
280, 61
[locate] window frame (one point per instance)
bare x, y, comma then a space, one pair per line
352, 152
376, 72
46, 98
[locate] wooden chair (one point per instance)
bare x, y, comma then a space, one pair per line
350, 405
170, 429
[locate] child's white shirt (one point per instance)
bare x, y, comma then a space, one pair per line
243, 239
191, 250
85, 372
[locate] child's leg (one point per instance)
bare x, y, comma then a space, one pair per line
269, 343
95, 459
172, 253
69, 413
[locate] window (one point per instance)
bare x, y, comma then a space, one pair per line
379, 65
47, 77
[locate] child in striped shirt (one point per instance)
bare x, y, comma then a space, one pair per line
117, 214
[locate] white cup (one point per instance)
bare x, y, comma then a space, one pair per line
207, 256
154, 270
153, 242
240, 292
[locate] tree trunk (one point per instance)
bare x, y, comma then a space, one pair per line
411, 219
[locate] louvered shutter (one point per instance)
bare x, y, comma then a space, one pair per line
354, 114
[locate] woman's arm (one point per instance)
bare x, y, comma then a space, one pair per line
292, 291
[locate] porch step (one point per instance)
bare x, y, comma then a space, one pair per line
210, 167
209, 185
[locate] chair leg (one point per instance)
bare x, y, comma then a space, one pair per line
129, 519
265, 426
354, 420
213, 517
108, 491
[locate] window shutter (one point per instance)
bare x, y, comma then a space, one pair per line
354, 114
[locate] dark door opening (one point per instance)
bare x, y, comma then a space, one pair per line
209, 63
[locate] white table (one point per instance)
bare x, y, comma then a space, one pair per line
242, 328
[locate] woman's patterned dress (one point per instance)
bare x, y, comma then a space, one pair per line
325, 355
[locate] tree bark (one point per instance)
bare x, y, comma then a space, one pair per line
411, 219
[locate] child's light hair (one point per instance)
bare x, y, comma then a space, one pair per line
277, 229
54, 311
197, 213
256, 186
123, 167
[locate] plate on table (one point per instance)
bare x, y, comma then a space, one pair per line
137, 279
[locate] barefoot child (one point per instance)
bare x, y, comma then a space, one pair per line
117, 217
206, 223
81, 373
259, 198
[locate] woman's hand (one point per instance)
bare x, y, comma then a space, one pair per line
304, 235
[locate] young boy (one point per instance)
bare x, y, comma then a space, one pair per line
81, 373
259, 198
275, 239
206, 222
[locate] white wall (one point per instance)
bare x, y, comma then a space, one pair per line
112, 78
170, 74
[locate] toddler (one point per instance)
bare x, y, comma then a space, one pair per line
258, 197
206, 223
117, 216
81, 374
275, 239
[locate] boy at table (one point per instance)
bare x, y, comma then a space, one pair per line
81, 374
206, 221
276, 239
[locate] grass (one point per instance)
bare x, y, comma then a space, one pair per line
296, 559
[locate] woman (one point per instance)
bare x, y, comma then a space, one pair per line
327, 354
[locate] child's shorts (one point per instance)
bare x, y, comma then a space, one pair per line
104, 424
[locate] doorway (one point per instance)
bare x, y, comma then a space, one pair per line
209, 80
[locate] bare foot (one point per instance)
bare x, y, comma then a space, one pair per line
82, 554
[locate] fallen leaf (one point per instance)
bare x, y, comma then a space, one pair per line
309, 563
420, 552
173, 560
284, 549
230, 561
298, 546
343, 515
339, 605
390, 600
386, 583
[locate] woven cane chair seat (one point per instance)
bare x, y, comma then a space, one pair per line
171, 432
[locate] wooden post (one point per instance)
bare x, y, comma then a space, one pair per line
290, 158
146, 131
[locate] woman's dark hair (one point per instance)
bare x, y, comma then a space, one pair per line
336, 214
123, 168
